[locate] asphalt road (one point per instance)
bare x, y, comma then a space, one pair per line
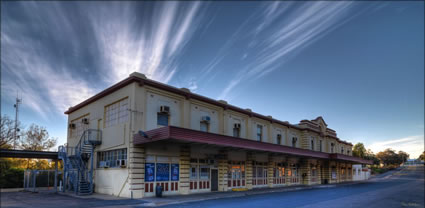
400, 188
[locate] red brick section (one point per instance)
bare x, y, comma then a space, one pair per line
193, 136
188, 95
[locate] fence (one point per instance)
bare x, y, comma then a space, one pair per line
41, 180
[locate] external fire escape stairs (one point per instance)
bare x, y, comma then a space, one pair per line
77, 175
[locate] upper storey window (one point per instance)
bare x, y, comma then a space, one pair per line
342, 150
320, 145
204, 124
348, 152
163, 116
259, 132
294, 141
312, 144
279, 139
116, 112
237, 130
332, 147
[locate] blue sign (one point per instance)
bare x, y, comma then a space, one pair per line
162, 172
174, 172
149, 172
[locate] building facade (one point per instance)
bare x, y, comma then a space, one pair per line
156, 134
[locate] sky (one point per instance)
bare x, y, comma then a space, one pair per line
359, 65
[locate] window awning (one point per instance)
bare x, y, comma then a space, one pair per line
183, 135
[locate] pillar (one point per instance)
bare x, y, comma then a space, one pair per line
223, 167
305, 172
136, 172
270, 167
56, 176
184, 170
325, 173
287, 179
248, 174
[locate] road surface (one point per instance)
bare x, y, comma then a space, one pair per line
400, 188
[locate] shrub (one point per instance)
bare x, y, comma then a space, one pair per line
12, 178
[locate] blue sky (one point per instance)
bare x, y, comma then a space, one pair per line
360, 65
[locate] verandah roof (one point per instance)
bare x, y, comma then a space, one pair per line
183, 135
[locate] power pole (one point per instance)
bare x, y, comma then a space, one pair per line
16, 105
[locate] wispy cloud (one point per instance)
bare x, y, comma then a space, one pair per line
413, 145
151, 48
298, 27
57, 62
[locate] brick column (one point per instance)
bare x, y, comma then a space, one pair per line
223, 167
270, 166
305, 172
350, 176
184, 169
338, 172
136, 172
287, 177
319, 172
248, 173
326, 173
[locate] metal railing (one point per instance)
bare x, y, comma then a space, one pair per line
76, 173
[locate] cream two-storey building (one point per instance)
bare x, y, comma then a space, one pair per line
156, 134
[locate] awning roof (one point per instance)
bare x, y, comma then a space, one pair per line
172, 133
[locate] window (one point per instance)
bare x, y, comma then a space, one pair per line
294, 141
116, 113
348, 152
342, 150
312, 144
259, 132
279, 139
163, 119
111, 157
204, 126
204, 173
194, 172
313, 171
332, 147
236, 132
320, 145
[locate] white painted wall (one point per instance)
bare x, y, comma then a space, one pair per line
358, 174
153, 103
196, 113
231, 121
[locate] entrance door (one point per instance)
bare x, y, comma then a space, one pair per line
214, 180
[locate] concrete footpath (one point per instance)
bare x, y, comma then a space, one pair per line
179, 199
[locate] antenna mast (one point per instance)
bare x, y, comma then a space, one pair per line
16, 105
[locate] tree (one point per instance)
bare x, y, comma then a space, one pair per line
359, 150
403, 156
422, 156
7, 132
37, 138
371, 156
388, 157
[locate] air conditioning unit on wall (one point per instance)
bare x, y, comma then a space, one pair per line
72, 126
123, 163
206, 119
85, 121
164, 109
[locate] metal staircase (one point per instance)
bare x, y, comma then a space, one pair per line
78, 177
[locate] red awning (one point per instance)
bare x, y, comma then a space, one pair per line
172, 133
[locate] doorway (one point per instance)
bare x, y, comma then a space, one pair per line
214, 180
